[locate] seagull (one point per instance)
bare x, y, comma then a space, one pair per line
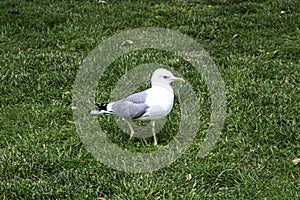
152, 104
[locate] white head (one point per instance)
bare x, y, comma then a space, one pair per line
164, 77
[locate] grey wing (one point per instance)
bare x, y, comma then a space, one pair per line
129, 110
139, 97
131, 107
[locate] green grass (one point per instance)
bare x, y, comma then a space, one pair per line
43, 44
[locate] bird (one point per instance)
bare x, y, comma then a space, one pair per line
151, 104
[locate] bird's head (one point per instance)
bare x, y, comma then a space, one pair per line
163, 76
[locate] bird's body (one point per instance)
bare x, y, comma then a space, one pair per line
151, 104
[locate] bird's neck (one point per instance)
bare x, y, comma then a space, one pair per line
163, 86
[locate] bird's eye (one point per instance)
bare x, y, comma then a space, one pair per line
165, 77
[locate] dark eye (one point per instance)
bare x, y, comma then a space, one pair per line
165, 77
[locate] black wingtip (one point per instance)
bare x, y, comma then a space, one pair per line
101, 106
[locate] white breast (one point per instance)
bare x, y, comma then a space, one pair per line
160, 101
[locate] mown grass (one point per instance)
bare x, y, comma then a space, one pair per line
43, 43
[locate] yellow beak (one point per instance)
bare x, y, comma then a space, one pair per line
177, 79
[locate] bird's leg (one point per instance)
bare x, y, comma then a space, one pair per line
153, 132
131, 129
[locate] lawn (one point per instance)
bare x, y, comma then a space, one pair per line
256, 47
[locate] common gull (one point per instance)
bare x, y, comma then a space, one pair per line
151, 104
